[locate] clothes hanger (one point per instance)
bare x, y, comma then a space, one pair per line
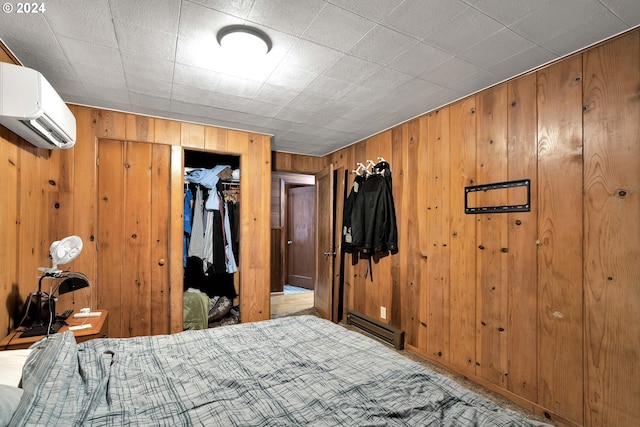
381, 166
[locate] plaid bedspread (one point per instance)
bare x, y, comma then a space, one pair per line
291, 371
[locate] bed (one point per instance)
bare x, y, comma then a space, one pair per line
290, 371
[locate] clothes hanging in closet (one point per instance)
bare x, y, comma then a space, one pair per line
188, 213
211, 235
209, 282
214, 248
196, 243
210, 258
234, 225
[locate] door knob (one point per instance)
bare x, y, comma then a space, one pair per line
289, 242
329, 253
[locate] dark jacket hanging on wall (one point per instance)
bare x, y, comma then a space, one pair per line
373, 221
370, 212
347, 230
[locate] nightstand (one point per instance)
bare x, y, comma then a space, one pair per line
98, 329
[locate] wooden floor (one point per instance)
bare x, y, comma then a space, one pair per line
284, 303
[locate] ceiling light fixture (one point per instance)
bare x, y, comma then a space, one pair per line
244, 41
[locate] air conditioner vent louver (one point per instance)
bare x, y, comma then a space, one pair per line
47, 131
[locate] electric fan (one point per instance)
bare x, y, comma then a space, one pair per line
62, 252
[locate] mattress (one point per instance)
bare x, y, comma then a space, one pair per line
284, 372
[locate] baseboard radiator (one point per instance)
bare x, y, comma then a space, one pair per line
383, 332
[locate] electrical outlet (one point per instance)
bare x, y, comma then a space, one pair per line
383, 312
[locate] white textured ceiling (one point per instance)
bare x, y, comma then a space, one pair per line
339, 70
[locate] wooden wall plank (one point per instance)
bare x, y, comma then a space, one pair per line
462, 327
398, 135
110, 233
403, 308
160, 238
559, 94
254, 264
192, 135
167, 132
60, 194
136, 274
612, 232
215, 139
82, 179
139, 128
437, 216
110, 124
282, 161
522, 286
421, 185
491, 321
176, 232
413, 160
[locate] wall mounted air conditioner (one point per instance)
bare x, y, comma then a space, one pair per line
31, 108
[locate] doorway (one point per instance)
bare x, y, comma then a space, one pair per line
292, 242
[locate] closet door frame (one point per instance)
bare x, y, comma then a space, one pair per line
254, 151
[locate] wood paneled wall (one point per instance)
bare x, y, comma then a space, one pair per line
539, 306
47, 195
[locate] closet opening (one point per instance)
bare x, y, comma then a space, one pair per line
212, 199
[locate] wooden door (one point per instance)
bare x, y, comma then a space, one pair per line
301, 236
133, 236
325, 246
